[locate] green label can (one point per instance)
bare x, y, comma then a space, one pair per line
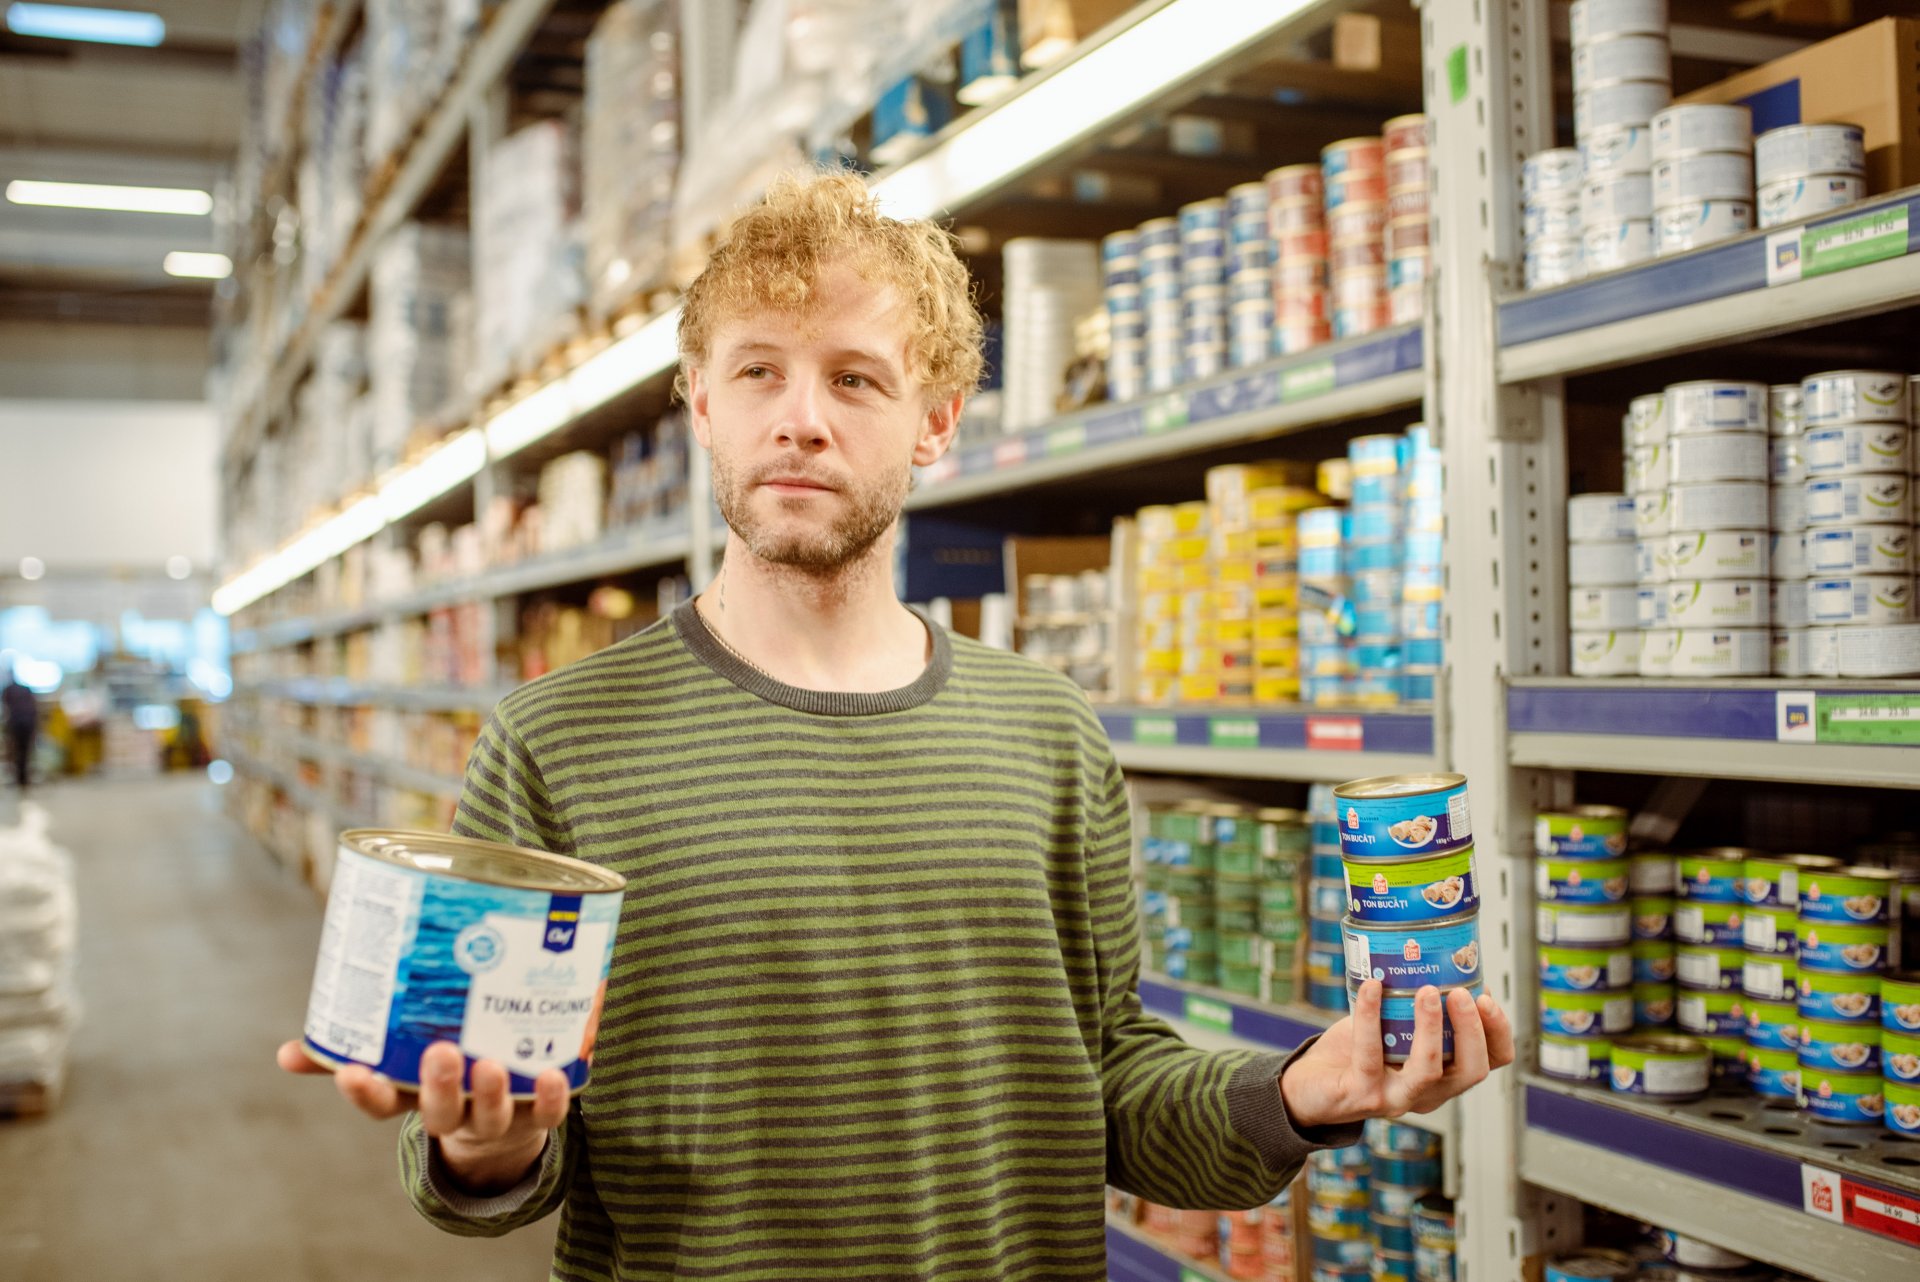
1236, 861
1700, 923
1653, 961
1653, 875
1661, 1067
1579, 970
1576, 1059
1283, 834
1773, 1026
1773, 881
1703, 966
1840, 999
1581, 881
1243, 949
1768, 930
1713, 876
1652, 918
1840, 1048
1846, 1099
1773, 1074
1849, 896
1900, 1002
1716, 1014
1583, 924
1653, 1005
1828, 946
1770, 978
1585, 1014
1240, 890
1583, 832
1903, 1107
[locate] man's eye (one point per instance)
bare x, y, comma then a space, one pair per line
855, 381
754, 371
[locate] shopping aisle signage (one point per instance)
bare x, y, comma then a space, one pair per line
1316, 378
1336, 734
1207, 1013
1803, 252
1832, 1196
1233, 732
1879, 720
1156, 731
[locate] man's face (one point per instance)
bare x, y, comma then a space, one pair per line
815, 424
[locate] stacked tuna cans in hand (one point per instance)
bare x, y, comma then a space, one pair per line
1355, 170
1326, 904
1803, 171
1603, 607
1847, 944
1582, 881
1702, 176
1859, 457
1406, 842
1770, 978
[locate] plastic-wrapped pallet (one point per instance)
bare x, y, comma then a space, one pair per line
527, 264
38, 1007
412, 345
631, 149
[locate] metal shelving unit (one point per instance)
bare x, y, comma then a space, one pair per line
396, 774
327, 692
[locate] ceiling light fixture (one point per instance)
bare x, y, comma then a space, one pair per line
95, 26
126, 200
197, 266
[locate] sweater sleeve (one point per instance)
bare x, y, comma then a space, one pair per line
503, 798
1204, 1130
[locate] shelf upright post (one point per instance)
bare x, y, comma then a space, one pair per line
1489, 78
487, 122
709, 32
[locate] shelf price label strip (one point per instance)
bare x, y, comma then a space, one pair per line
1728, 1163
1878, 720
1399, 732
1223, 1015
1131, 1260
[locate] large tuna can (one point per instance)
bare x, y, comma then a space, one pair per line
1397, 816
432, 938
1443, 953
1795, 151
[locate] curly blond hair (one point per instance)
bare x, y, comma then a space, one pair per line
772, 256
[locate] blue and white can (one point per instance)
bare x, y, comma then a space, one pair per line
1443, 953
431, 938
1424, 889
1372, 522
1396, 816
1397, 1024
1383, 554
1422, 1170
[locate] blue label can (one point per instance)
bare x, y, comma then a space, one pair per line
1395, 816
1336, 1221
1582, 970
429, 938
1411, 890
1840, 1048
1388, 1140
1849, 1099
1397, 1024
1395, 1201
1381, 554
1840, 999
1326, 864
1407, 1169
1395, 1234
1443, 953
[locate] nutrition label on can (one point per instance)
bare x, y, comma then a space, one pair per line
1673, 1076
1459, 821
1563, 1059
372, 911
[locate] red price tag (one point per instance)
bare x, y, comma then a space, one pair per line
1336, 734
1833, 1196
1010, 453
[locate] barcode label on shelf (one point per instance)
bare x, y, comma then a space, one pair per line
1832, 1196
1883, 720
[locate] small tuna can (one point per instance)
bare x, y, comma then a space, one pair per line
1403, 815
1649, 468
1415, 890
1718, 554
1773, 881
1395, 1202
1834, 949
1787, 459
1581, 881
1845, 1099
1415, 1170
1617, 149
1900, 1002
1870, 599
1790, 200
1353, 155
1444, 953
1395, 1237
1860, 549
1592, 1264
1609, 246
1615, 199
1728, 1065
1553, 261
1848, 895
1767, 931
1624, 57
1773, 1026
1840, 999
1724, 505
1702, 176
1719, 456
1397, 1023
1337, 1221
1854, 396
1653, 961
1708, 967
1339, 1186
1689, 128
1900, 1056
1295, 182
1659, 1066
1434, 1224
1846, 449
1653, 874
1702, 923
1709, 407
1714, 875
1578, 924
1603, 609
506, 953
1593, 20
1680, 228
1773, 1074
1717, 603
1555, 172
1571, 1014
1625, 102
1786, 409
1581, 833
1606, 654
1579, 970
1794, 151
1396, 1140
1576, 1059
1600, 518
1771, 977
1652, 918
1867, 500
1902, 1107
1653, 1005
1348, 1157
1718, 1014
1406, 235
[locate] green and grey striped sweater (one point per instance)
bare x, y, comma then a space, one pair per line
872, 1009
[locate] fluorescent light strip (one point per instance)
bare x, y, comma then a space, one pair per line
528, 419
1180, 40
626, 364
117, 199
197, 266
302, 556
95, 26
459, 459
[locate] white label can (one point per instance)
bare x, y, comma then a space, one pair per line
1723, 505
1702, 176
1788, 556
1717, 603
1649, 468
1854, 396
1849, 448
1613, 245
1726, 456
1861, 598
1730, 652
1656, 652
1646, 419
1603, 609
1708, 405
1789, 652
1557, 219
1554, 172
1683, 227
1787, 504
1652, 513
1650, 608
1861, 549
1617, 149
1604, 201
1787, 459
1599, 517
1719, 554
1621, 57
1880, 499
1626, 102
1693, 127
1591, 20
1606, 654
1651, 562
1600, 565
1880, 652
1787, 604
1554, 262
1823, 652
1786, 409
1791, 199
1795, 151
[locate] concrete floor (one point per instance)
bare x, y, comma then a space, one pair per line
180, 1151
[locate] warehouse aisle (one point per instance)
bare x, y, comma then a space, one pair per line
180, 1151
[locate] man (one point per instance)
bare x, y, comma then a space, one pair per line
20, 715
872, 1010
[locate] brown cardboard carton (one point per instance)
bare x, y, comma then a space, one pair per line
1869, 76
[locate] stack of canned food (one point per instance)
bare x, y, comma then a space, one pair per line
1702, 176
1121, 282
1407, 234
1252, 510
1326, 959
1355, 170
1604, 611
1581, 884
1297, 225
1249, 277
1327, 671
1848, 942
1175, 579
1050, 286
1652, 878
1550, 183
1203, 290
1375, 1211
1710, 958
1787, 510
1375, 552
1413, 903
1805, 170
1770, 976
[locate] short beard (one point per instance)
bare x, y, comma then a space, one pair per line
871, 512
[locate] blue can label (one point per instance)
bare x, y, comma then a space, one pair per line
1652, 968
1841, 999
1381, 555
1424, 652
1766, 1034
1396, 1026
1600, 1015
1320, 563
1837, 1097
1445, 954
1581, 881
1338, 1186
1842, 949
1327, 996
1772, 1081
508, 974
1416, 687
1412, 890
1324, 933
1567, 970
1423, 1172
1327, 899
1846, 1048
1386, 1141
1375, 490
1395, 1201
1330, 1220
1387, 824
1395, 1233
1328, 865
1433, 1262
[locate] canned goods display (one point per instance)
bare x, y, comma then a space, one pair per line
1577, 924
1550, 262
1772, 1073
1900, 1001
1679, 228
1693, 128
1845, 449
1792, 199
1702, 923
1608, 246
1600, 518
1773, 1025
1621, 57
1652, 918
1771, 978
1795, 151
1625, 102
1767, 931
1597, 565
1709, 966
1653, 874
1715, 875
1708, 406
1710, 1014
1720, 456
1653, 961
1614, 199
1397, 816
1443, 953
1661, 1067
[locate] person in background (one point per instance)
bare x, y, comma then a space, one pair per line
20, 715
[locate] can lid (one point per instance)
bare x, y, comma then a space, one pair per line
1399, 785
492, 863
1662, 1044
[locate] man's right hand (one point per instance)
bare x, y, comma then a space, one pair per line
488, 1141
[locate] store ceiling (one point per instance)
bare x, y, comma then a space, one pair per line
74, 112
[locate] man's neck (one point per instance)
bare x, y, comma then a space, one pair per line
844, 632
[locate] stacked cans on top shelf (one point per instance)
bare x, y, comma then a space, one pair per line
1805, 170
1702, 176
1050, 285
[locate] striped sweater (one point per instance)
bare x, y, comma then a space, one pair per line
872, 1011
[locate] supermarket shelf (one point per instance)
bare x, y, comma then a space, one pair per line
302, 796
1727, 1169
1298, 743
330, 693
332, 22
1132, 1256
393, 773
1367, 375
640, 547
1714, 296
1841, 732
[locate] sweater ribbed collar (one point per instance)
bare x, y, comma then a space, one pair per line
709, 649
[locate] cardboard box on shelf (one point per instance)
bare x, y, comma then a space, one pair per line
1869, 76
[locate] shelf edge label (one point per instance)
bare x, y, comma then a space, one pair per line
1070, 439
1793, 716
1233, 732
1871, 237
1157, 731
1208, 1013
1828, 1195
1336, 734
1315, 378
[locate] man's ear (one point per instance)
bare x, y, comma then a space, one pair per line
697, 406
936, 432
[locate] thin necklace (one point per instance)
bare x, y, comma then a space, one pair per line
715, 632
